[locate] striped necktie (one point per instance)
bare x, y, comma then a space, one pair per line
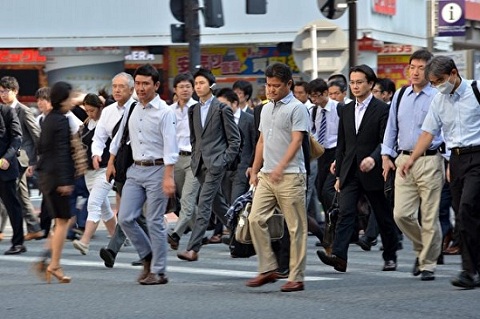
322, 131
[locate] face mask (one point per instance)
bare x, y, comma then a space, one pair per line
446, 87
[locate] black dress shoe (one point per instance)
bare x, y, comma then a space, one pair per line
336, 262
282, 273
464, 280
108, 257
15, 250
416, 270
173, 241
427, 275
389, 265
440, 260
364, 243
138, 262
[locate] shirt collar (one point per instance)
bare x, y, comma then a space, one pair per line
428, 90
155, 103
189, 103
287, 98
207, 102
365, 102
14, 104
129, 102
461, 88
237, 113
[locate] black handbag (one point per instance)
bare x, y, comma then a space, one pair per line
331, 218
124, 157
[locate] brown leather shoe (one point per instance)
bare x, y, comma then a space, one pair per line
34, 235
154, 279
188, 255
331, 260
291, 286
452, 250
262, 279
145, 272
215, 239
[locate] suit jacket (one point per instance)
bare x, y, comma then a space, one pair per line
246, 125
31, 134
217, 144
10, 141
55, 164
352, 148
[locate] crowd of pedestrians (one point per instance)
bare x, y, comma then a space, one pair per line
397, 156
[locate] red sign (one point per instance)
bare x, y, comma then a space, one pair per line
388, 7
472, 10
369, 44
21, 56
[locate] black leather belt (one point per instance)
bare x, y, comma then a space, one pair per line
185, 153
465, 150
426, 153
156, 162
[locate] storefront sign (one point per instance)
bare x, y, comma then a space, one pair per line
388, 7
472, 10
394, 67
28, 56
223, 61
451, 18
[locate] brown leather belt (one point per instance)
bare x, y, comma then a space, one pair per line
465, 150
156, 162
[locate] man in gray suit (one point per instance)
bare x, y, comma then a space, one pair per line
215, 140
28, 152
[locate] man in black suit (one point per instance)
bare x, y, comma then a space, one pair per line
28, 153
244, 91
238, 178
215, 140
359, 169
10, 141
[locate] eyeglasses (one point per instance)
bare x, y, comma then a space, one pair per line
3, 92
358, 82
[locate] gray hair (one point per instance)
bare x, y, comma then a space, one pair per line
439, 66
128, 77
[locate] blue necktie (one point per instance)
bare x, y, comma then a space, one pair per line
322, 131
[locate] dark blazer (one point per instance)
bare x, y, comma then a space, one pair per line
352, 148
31, 134
246, 125
217, 144
10, 141
55, 164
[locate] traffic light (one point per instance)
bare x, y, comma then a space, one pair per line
256, 6
213, 13
177, 8
178, 33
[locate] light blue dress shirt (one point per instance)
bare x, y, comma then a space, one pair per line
411, 114
457, 114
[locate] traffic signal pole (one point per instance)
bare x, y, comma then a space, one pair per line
352, 33
192, 30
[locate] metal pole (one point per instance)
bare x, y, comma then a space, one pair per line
352, 33
192, 31
430, 24
313, 36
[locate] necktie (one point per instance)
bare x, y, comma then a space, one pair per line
322, 131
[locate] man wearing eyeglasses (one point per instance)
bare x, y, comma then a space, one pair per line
359, 169
456, 112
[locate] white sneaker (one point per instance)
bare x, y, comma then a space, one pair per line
83, 248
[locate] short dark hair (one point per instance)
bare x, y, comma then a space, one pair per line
147, 70
43, 93
337, 77
301, 83
317, 85
244, 86
92, 100
421, 54
365, 69
440, 65
9, 83
340, 84
183, 77
280, 71
386, 85
60, 92
206, 73
228, 94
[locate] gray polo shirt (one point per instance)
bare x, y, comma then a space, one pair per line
277, 122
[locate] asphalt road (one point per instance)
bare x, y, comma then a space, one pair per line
214, 287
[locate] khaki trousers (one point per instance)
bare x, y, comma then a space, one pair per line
289, 195
421, 189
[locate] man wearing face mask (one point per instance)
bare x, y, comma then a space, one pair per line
456, 111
